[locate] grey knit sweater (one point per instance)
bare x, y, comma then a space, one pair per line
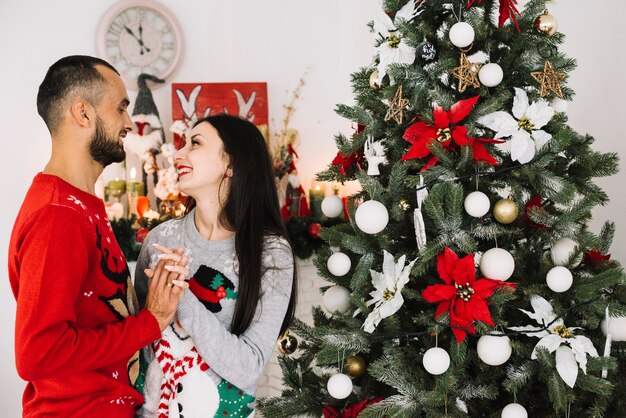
205, 312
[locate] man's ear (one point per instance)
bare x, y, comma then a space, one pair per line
82, 113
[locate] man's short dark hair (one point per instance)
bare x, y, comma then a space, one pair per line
67, 78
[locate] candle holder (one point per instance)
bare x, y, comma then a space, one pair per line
132, 196
115, 188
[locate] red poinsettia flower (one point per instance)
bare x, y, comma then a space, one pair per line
535, 202
446, 131
464, 297
507, 11
345, 163
596, 257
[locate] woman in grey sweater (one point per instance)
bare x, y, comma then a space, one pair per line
242, 280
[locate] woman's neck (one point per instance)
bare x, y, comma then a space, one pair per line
207, 222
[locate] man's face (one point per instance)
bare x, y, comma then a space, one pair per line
112, 121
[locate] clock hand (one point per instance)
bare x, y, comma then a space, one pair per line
139, 40
132, 34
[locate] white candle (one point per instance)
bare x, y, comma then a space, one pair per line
151, 214
133, 174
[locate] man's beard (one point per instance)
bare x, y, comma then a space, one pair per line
104, 149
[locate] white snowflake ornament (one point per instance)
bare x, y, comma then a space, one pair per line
523, 127
568, 357
387, 297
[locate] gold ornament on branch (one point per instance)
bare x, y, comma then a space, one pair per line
505, 211
374, 80
546, 24
466, 73
396, 107
549, 80
287, 343
354, 366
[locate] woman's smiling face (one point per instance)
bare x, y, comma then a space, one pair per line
202, 164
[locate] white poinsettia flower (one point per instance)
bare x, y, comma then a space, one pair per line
387, 297
524, 126
568, 357
393, 49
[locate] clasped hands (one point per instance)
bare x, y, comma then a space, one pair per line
166, 284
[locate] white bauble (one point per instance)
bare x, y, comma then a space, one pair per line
339, 386
617, 328
332, 206
339, 264
514, 410
436, 360
559, 105
490, 75
461, 34
559, 279
336, 299
494, 349
562, 250
477, 204
497, 264
371, 217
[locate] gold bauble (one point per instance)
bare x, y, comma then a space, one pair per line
374, 80
505, 211
546, 24
354, 366
287, 343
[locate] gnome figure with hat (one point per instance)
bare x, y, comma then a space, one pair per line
145, 140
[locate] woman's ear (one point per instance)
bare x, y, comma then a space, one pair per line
228, 173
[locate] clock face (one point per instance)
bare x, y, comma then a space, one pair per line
140, 37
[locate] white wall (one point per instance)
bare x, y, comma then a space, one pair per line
274, 41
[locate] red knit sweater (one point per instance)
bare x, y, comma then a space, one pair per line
75, 341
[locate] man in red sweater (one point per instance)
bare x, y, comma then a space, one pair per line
78, 329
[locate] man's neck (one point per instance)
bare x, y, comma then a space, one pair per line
81, 173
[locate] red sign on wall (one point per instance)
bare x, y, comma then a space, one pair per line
193, 101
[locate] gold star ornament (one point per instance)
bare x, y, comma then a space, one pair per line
467, 73
549, 80
396, 107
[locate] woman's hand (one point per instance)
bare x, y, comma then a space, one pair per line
167, 285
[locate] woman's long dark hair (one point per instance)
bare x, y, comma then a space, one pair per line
251, 210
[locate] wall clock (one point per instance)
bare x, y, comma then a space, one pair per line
140, 36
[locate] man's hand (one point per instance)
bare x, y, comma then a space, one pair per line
167, 285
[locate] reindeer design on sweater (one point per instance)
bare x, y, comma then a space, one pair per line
124, 301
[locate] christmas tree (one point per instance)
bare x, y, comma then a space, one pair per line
467, 282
